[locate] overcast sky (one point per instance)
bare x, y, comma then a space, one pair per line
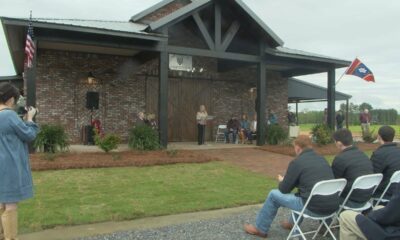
344, 29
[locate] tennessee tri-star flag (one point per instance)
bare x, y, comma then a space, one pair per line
29, 46
357, 68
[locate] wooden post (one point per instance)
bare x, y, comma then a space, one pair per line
261, 102
163, 95
347, 113
297, 112
331, 98
30, 78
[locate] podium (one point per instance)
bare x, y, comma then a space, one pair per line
87, 135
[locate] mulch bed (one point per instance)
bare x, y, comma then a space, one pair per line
62, 161
329, 149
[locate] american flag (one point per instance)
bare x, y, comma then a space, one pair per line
29, 46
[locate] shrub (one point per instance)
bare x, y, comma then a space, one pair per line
107, 142
322, 134
51, 139
275, 134
369, 137
143, 138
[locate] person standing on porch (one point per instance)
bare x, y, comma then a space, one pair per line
201, 118
365, 120
15, 171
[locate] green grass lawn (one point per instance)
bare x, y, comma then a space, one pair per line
353, 128
93, 195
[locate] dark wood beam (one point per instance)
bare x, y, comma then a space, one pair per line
230, 34
102, 43
217, 25
331, 98
213, 54
204, 31
163, 96
261, 102
261, 97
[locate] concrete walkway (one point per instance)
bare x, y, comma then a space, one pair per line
225, 224
73, 232
176, 146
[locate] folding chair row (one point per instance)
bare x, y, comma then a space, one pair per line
329, 188
366, 182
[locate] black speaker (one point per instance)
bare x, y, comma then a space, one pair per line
92, 100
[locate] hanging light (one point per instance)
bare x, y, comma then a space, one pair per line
91, 79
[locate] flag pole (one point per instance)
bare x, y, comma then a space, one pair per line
338, 81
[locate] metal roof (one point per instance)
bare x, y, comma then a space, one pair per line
294, 53
115, 28
121, 26
303, 91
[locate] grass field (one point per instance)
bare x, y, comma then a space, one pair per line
356, 129
94, 195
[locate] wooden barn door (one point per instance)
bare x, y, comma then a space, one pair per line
185, 97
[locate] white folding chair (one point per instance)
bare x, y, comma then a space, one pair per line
323, 188
370, 181
394, 179
220, 136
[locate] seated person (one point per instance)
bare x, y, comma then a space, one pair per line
379, 224
307, 169
244, 129
151, 121
232, 127
386, 159
253, 128
350, 164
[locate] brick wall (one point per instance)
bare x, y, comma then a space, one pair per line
62, 86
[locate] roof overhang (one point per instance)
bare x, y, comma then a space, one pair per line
302, 91
293, 62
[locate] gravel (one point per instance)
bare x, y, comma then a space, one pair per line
214, 229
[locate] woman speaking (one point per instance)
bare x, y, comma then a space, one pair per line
15, 172
201, 118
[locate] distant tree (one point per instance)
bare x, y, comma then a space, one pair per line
365, 105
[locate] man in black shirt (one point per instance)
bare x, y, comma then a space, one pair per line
380, 224
386, 159
350, 164
303, 173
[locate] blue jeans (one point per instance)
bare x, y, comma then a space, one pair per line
274, 201
234, 134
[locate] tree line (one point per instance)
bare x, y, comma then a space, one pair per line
379, 116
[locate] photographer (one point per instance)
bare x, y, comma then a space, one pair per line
15, 173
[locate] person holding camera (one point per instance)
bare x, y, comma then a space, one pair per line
15, 173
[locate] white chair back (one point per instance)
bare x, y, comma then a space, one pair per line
221, 127
367, 181
395, 177
329, 187
220, 133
